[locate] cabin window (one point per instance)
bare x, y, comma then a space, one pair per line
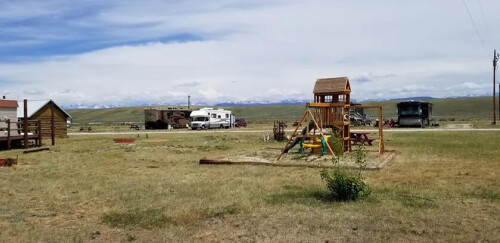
214, 115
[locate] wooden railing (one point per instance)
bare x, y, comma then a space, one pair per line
17, 129
329, 114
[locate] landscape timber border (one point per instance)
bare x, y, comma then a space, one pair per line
208, 161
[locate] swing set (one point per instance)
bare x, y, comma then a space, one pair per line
330, 109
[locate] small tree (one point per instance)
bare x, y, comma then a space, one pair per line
346, 186
335, 142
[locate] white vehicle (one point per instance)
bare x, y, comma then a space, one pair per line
206, 118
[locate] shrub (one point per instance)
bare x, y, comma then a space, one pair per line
335, 143
344, 186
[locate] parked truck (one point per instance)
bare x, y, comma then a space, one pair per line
358, 116
206, 118
415, 113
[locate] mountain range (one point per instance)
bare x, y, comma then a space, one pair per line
238, 103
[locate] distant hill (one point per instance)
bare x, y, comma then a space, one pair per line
451, 107
263, 103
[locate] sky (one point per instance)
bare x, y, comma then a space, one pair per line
143, 52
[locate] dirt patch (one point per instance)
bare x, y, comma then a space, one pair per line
459, 126
269, 156
155, 140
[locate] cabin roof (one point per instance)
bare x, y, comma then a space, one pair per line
35, 106
9, 103
332, 85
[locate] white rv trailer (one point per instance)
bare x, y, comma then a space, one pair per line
206, 118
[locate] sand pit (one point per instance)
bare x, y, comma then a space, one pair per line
268, 157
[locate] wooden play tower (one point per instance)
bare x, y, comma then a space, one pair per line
330, 109
332, 97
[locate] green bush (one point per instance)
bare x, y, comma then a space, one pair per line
344, 186
335, 143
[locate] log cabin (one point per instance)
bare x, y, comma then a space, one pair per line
42, 110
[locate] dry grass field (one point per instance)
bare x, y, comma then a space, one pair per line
441, 186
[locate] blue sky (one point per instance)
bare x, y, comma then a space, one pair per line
128, 52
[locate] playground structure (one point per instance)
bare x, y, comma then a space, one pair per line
330, 109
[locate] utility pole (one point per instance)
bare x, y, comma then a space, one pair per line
189, 101
495, 59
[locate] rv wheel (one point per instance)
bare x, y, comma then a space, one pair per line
202, 127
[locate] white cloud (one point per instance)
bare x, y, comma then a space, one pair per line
469, 85
34, 92
388, 48
209, 93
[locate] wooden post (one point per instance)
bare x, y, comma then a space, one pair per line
308, 121
292, 136
8, 134
495, 59
322, 135
381, 148
52, 129
39, 133
25, 126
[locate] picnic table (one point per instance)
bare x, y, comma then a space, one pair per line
361, 138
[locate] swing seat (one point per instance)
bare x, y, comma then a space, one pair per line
312, 145
316, 143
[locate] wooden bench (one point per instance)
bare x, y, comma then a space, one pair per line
361, 138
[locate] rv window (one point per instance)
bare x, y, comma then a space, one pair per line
200, 119
218, 116
227, 115
214, 115
410, 110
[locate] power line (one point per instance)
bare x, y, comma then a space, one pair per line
484, 20
475, 27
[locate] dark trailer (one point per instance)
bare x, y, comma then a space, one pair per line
415, 113
164, 118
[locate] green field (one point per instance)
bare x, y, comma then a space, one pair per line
441, 186
480, 107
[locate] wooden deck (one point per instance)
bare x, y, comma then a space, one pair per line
32, 129
19, 137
